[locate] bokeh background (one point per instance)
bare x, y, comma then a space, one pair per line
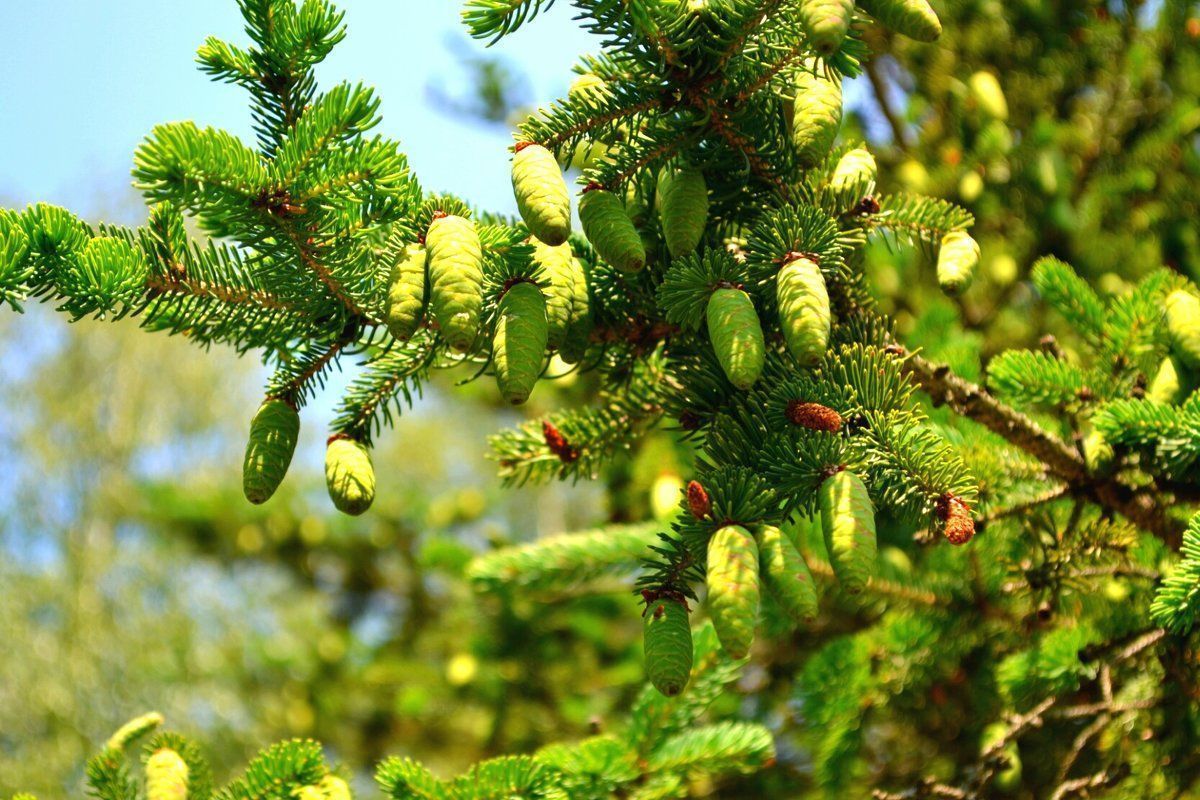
135, 577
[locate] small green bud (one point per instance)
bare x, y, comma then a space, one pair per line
349, 475
273, 435
667, 639
166, 776
958, 257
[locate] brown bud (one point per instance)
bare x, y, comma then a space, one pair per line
690, 421
814, 416
959, 526
868, 205
699, 503
558, 444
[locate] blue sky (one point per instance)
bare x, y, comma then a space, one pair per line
82, 82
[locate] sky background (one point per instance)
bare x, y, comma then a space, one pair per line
82, 82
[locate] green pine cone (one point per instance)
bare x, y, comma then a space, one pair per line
1098, 454
541, 192
574, 344
785, 574
804, 313
1007, 779
334, 788
273, 434
848, 521
736, 336
1183, 326
816, 114
585, 84
987, 96
913, 18
856, 168
637, 206
520, 341
958, 256
455, 279
166, 776
559, 271
826, 23
406, 292
349, 475
611, 231
667, 641
682, 208
134, 729
1172, 384
733, 594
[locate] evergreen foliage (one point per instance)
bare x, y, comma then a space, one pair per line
816, 460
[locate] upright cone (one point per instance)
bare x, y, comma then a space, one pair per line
958, 257
166, 775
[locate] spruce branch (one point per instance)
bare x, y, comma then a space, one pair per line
1138, 505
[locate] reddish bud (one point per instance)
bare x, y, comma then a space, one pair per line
814, 416
958, 525
699, 503
558, 443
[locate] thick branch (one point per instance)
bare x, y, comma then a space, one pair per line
1137, 505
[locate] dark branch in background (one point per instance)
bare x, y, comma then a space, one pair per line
1139, 506
992, 760
879, 86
